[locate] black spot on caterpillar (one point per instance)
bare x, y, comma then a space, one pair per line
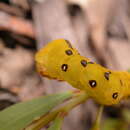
68, 52
92, 83
84, 63
107, 74
115, 95
64, 67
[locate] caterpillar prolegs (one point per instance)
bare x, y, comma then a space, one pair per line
59, 60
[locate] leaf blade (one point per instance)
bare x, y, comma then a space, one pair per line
18, 116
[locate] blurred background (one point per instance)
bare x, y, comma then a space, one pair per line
99, 29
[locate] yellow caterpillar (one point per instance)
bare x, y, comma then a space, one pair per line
59, 60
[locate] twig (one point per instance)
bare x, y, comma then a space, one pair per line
45, 119
11, 9
16, 24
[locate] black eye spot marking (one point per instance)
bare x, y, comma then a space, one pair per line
106, 75
90, 62
64, 67
92, 83
69, 44
115, 95
68, 52
121, 82
84, 63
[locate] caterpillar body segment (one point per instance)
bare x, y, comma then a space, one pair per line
59, 60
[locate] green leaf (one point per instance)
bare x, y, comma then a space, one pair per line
20, 115
56, 124
78, 98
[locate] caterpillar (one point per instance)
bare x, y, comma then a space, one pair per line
59, 60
